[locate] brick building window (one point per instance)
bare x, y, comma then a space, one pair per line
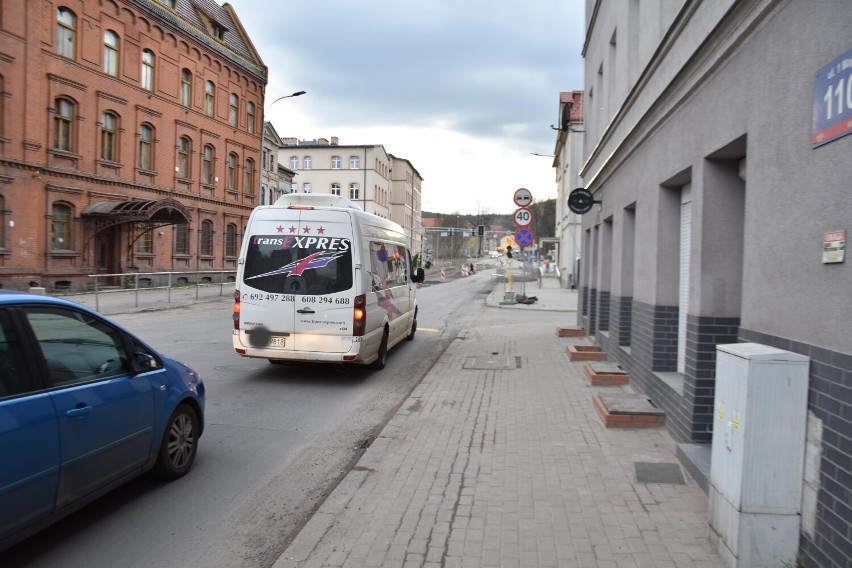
209, 98
185, 88
66, 29
249, 187
335, 162
3, 221
144, 239
354, 162
184, 149
182, 239
63, 121
232, 171
109, 137
308, 162
335, 189
294, 162
147, 79
250, 118
111, 53
354, 190
206, 248
207, 164
231, 240
146, 137
234, 108
60, 227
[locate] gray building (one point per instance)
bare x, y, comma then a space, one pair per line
716, 141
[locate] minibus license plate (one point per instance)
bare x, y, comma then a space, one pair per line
277, 341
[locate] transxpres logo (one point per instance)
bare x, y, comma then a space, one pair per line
316, 243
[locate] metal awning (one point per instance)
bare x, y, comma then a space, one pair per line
154, 212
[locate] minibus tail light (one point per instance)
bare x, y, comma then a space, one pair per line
359, 315
236, 309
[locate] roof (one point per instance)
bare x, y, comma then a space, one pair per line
193, 17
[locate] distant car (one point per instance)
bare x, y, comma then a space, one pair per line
494, 254
84, 407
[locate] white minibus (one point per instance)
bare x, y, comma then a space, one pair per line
320, 280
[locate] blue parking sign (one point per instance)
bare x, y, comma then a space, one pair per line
524, 237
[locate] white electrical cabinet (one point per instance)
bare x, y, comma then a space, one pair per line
757, 459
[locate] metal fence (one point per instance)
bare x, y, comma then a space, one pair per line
144, 282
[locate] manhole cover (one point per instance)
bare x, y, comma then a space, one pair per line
648, 472
489, 363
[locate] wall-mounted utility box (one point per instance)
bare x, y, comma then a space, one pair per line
757, 458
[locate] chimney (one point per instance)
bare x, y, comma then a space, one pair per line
323, 141
334, 140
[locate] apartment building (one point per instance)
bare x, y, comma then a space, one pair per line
130, 138
406, 201
568, 158
275, 178
718, 144
380, 183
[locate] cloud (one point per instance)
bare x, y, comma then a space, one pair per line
464, 89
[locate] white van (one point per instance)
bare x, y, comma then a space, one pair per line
320, 280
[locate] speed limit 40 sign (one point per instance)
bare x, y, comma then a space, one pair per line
523, 217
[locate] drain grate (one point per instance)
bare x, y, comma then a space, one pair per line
490, 363
649, 472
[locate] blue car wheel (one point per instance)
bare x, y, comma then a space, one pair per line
180, 442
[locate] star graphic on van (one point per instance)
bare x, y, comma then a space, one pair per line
280, 229
293, 229
306, 229
321, 231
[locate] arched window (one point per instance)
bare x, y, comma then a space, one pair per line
60, 227
111, 53
66, 29
209, 98
63, 122
147, 70
184, 149
207, 164
181, 239
232, 171
206, 246
308, 162
354, 191
234, 103
335, 189
294, 162
307, 187
146, 138
185, 88
335, 162
231, 240
249, 187
109, 137
250, 118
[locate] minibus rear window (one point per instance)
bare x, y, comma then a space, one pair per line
298, 265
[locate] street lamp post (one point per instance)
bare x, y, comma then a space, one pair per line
296, 94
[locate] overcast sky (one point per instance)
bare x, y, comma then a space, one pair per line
465, 90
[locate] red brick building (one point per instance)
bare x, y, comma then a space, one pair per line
130, 136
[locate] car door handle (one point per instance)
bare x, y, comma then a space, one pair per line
79, 411
306, 311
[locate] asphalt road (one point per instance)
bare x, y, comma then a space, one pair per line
278, 438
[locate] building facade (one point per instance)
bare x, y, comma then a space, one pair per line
715, 142
364, 174
406, 201
275, 178
129, 141
568, 156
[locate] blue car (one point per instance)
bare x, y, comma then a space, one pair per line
84, 407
